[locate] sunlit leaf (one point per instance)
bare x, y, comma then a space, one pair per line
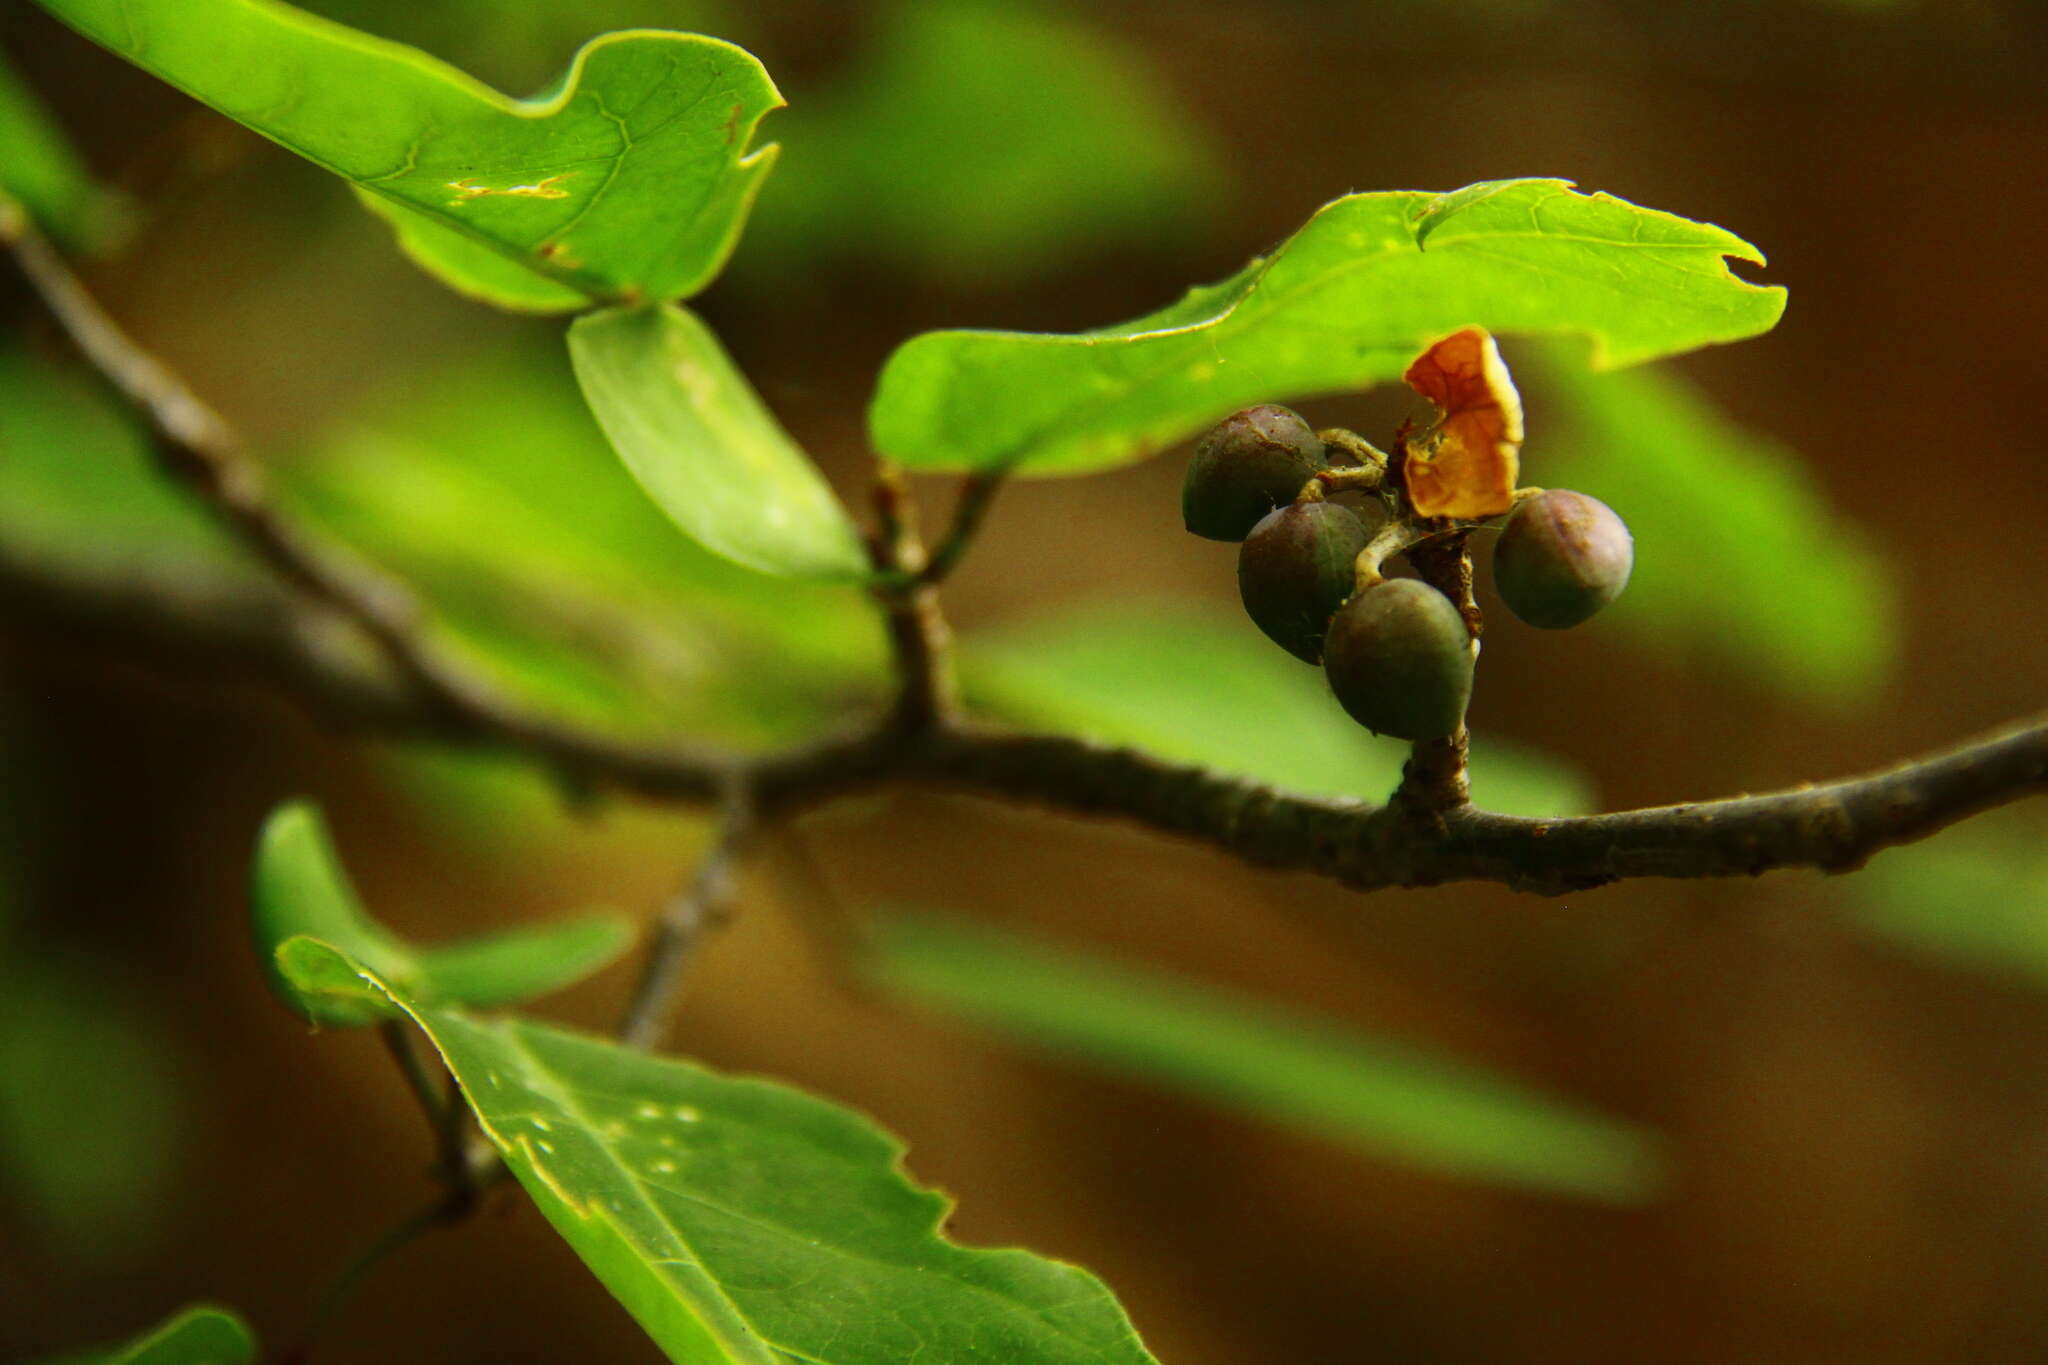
39, 171
1207, 689
299, 888
629, 179
948, 150
743, 1221
469, 266
1348, 301
1376, 1094
1976, 898
197, 1336
700, 441
1740, 559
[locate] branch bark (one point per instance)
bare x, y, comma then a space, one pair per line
1832, 827
689, 913
197, 447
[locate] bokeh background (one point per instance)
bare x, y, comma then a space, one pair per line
1839, 538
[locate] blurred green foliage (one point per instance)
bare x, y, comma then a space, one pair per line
1209, 689
1380, 1096
489, 488
39, 170
1975, 898
196, 1336
93, 1106
80, 494
984, 143
1740, 560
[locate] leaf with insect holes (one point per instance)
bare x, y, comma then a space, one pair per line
299, 888
1349, 301
629, 179
741, 1222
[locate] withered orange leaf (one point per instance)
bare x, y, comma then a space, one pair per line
1466, 466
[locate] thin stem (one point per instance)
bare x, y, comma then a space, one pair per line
1363, 457
433, 1098
698, 906
444, 1209
920, 640
1395, 537
970, 508
1435, 777
1444, 561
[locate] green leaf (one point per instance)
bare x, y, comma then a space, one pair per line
743, 1221
1347, 302
469, 266
485, 485
948, 151
629, 179
197, 1336
1739, 557
300, 889
514, 965
699, 440
39, 171
1200, 688
93, 1115
1374, 1094
1976, 898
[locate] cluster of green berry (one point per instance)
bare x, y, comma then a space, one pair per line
1398, 652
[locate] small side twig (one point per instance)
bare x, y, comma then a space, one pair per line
1436, 777
433, 1099
700, 905
444, 1209
970, 509
920, 641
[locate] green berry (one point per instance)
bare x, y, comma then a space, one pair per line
1248, 464
1399, 659
1296, 569
1562, 557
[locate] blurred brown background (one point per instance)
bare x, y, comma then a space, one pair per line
1861, 1135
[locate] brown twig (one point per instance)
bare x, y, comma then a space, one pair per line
1435, 778
199, 448
919, 638
700, 905
1832, 827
